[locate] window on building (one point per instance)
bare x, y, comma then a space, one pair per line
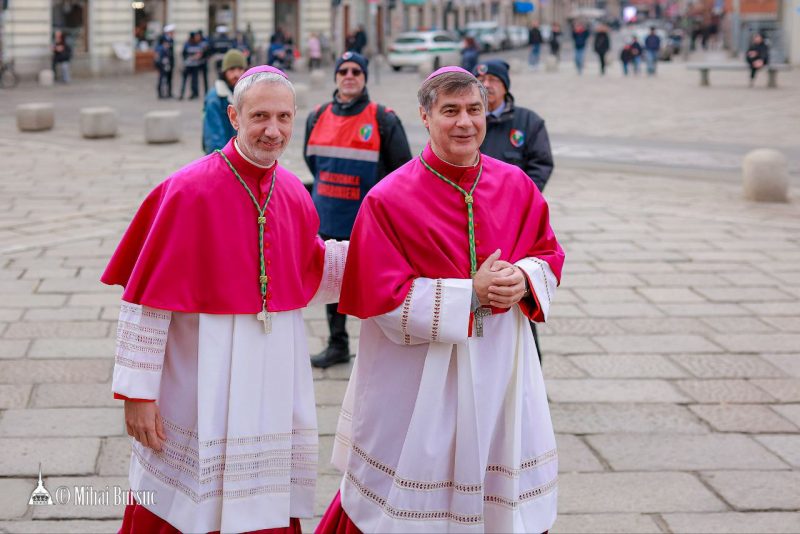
149, 18
72, 18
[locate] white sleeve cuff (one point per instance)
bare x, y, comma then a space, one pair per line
330, 286
141, 344
434, 310
543, 281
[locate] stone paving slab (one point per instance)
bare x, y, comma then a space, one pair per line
597, 493
726, 366
786, 447
59, 527
662, 452
12, 396
727, 391
756, 490
734, 523
607, 390
574, 456
57, 456
607, 523
621, 418
14, 495
753, 418
628, 366
62, 422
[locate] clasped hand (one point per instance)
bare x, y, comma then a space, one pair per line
499, 283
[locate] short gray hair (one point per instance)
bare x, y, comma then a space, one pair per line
243, 86
448, 83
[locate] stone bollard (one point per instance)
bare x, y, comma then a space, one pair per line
301, 91
162, 127
515, 65
47, 78
765, 174
98, 122
35, 117
317, 78
550, 63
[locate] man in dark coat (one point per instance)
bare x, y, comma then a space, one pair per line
515, 135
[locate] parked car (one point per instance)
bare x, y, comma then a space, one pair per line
436, 48
518, 36
488, 34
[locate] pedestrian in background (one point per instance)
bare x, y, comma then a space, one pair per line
535, 40
602, 44
652, 44
636, 49
580, 36
164, 63
469, 54
203, 69
626, 57
192, 60
555, 41
217, 127
314, 52
757, 56
62, 55
351, 143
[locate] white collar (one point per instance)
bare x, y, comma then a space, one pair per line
248, 160
222, 89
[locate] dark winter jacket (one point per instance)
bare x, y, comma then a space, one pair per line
601, 42
652, 43
761, 52
535, 37
518, 136
580, 38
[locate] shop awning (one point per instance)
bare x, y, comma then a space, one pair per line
523, 7
414, 2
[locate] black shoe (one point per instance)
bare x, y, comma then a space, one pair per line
330, 356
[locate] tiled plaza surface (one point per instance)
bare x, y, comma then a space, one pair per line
672, 357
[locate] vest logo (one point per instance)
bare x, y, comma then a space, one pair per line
517, 137
365, 132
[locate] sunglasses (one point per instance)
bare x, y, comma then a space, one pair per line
353, 71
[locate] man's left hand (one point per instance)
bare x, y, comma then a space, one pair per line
508, 288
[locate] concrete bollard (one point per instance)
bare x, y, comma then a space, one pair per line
550, 63
301, 91
317, 78
162, 127
47, 78
98, 122
515, 65
765, 174
35, 117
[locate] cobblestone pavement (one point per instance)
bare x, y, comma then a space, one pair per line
672, 359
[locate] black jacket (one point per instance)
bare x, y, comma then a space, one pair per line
601, 42
533, 155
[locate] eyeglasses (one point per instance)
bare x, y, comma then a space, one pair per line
353, 71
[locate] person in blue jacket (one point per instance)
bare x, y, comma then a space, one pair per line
217, 128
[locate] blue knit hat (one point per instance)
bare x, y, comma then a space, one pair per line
356, 58
495, 67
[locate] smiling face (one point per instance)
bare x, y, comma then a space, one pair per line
264, 122
457, 125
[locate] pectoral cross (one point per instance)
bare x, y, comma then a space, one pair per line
265, 317
480, 313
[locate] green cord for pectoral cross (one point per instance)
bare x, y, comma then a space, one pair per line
263, 279
468, 200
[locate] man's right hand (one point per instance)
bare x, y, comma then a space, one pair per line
485, 276
143, 421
